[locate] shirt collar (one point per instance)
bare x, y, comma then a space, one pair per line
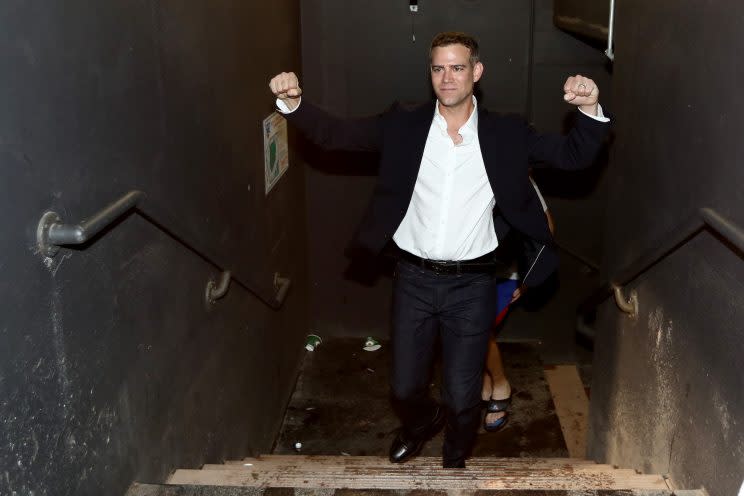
468, 130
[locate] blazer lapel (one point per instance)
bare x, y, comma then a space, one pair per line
422, 119
418, 133
488, 140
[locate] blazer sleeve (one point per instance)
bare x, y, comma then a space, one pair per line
576, 150
333, 133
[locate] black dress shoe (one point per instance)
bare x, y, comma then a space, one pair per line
406, 446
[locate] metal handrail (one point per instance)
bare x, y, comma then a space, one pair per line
610, 32
703, 218
52, 233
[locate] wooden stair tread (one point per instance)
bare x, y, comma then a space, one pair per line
432, 481
419, 460
421, 473
389, 467
326, 468
139, 489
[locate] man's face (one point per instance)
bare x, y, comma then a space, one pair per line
452, 75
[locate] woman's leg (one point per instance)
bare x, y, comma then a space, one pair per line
495, 384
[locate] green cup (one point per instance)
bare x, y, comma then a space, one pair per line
312, 342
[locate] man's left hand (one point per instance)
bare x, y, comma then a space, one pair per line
582, 92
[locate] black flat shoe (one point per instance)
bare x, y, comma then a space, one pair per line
405, 447
496, 406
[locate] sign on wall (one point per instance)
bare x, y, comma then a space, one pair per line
276, 156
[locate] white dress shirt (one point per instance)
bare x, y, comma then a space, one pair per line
450, 214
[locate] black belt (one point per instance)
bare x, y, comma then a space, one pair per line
486, 263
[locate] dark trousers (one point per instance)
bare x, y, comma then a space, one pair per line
459, 309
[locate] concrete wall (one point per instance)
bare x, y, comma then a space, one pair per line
667, 393
359, 57
111, 368
576, 199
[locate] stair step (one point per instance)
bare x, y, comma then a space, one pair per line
343, 471
279, 461
421, 473
417, 461
138, 489
327, 464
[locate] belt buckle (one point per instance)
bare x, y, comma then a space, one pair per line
441, 268
432, 266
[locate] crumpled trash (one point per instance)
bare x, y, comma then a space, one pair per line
371, 344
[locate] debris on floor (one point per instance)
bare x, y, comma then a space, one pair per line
312, 342
371, 344
340, 405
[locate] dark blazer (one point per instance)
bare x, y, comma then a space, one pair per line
508, 146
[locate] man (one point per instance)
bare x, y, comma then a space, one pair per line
453, 197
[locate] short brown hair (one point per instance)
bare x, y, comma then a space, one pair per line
456, 38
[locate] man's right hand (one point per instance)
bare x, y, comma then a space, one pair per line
286, 87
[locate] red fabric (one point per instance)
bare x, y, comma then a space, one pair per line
501, 316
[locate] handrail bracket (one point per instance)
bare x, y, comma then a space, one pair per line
629, 305
217, 289
281, 287
47, 248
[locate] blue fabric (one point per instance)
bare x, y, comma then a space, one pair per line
505, 289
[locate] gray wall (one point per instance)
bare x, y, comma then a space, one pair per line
576, 199
111, 368
358, 57
668, 394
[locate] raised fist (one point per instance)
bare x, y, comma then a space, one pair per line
286, 87
582, 92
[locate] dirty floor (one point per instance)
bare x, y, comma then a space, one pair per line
341, 406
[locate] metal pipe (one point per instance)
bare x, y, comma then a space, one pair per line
51, 233
611, 28
666, 245
662, 247
77, 234
704, 217
728, 229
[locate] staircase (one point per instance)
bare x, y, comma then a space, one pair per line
326, 475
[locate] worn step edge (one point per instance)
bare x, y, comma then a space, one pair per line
450, 479
138, 489
425, 458
393, 469
422, 460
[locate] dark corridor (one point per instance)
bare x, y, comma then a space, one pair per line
119, 364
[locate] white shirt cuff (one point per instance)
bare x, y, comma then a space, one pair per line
284, 109
600, 115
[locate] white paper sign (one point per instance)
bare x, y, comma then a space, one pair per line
276, 156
